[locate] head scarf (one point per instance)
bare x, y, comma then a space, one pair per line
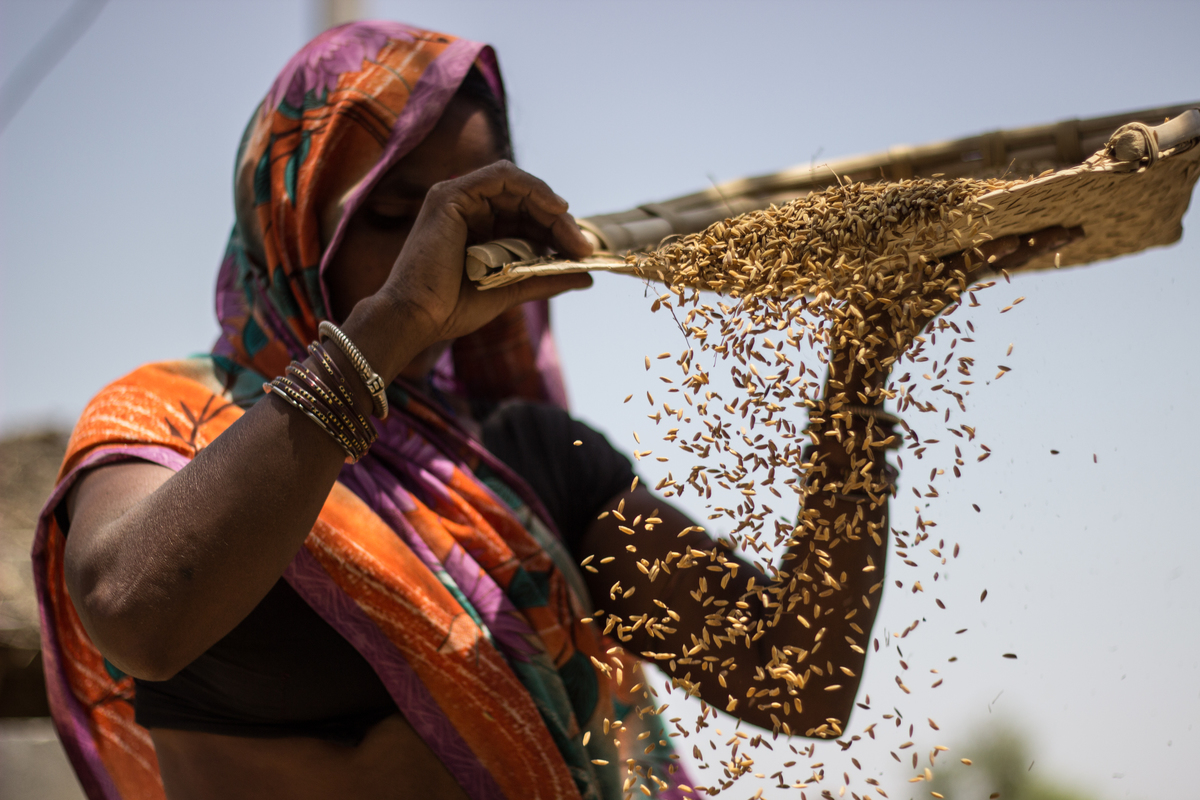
345, 109
429, 556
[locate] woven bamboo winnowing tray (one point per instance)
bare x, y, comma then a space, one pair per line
1131, 195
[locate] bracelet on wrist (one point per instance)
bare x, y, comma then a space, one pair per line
370, 378
880, 426
331, 408
844, 483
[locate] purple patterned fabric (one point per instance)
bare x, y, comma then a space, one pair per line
317, 67
73, 730
373, 479
429, 99
310, 581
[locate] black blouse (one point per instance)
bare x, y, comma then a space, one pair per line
284, 671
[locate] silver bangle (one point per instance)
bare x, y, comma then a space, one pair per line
873, 413
369, 377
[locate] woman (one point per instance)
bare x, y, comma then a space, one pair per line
232, 610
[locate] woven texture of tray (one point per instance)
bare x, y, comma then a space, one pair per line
1123, 207
1131, 195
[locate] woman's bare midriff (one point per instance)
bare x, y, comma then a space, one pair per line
391, 762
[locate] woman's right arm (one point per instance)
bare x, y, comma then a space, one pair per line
162, 565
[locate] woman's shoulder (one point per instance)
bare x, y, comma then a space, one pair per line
182, 405
204, 372
201, 369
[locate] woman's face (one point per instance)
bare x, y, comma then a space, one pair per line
461, 142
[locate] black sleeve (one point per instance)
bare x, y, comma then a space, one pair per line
536, 441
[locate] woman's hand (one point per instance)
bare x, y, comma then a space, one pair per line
1007, 253
428, 298
1015, 251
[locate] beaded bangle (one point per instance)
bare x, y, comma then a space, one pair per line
337, 427
374, 383
344, 416
331, 409
297, 403
336, 378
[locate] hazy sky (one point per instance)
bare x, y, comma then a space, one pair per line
116, 203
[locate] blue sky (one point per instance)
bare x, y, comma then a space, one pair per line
115, 204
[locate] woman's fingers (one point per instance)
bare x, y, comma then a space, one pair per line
1014, 251
501, 197
999, 248
1031, 245
501, 189
569, 238
488, 203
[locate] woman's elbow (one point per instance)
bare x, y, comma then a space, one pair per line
120, 625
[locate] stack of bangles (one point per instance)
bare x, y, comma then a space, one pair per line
882, 433
324, 396
821, 418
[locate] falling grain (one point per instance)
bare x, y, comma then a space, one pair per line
848, 270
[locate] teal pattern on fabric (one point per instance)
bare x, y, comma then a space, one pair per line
539, 678
112, 671
529, 589
295, 161
262, 180
290, 111
243, 384
466, 604
505, 492
253, 338
579, 677
281, 295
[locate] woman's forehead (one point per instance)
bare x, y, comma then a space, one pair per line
461, 142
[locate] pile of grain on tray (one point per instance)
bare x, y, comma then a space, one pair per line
843, 274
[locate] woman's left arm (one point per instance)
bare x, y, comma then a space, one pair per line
741, 636
754, 644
